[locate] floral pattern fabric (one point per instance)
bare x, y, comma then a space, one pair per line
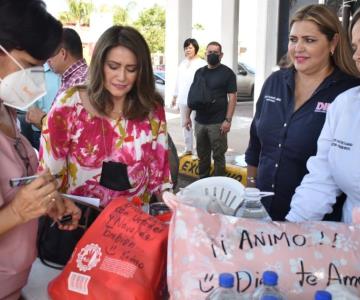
75, 144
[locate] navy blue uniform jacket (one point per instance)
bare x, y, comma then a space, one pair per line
281, 140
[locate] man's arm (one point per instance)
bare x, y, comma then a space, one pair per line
225, 126
188, 123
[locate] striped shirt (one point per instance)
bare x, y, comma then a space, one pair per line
74, 75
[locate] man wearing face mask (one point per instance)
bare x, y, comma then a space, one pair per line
213, 123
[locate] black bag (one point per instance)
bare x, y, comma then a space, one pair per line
55, 246
199, 97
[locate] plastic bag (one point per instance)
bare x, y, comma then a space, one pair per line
121, 256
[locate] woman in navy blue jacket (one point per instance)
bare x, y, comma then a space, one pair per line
292, 106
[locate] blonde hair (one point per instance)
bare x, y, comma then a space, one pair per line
329, 24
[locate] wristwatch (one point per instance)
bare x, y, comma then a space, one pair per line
228, 120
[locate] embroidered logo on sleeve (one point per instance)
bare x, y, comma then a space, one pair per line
272, 98
322, 107
341, 144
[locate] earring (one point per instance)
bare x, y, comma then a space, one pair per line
331, 52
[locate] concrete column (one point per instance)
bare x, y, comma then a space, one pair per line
178, 29
283, 33
266, 42
230, 32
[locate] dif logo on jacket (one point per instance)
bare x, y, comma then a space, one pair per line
322, 107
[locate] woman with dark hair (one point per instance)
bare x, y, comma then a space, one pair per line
28, 36
291, 109
185, 77
109, 138
336, 166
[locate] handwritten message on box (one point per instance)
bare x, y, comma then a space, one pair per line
307, 257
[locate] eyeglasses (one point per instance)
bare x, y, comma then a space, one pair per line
21, 151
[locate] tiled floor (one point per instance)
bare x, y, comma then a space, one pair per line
40, 276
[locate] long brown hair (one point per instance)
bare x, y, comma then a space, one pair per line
142, 98
329, 24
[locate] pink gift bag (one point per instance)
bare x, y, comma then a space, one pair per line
307, 256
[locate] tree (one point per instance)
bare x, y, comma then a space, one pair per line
202, 51
78, 14
151, 24
120, 15
198, 27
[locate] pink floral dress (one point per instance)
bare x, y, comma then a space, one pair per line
75, 143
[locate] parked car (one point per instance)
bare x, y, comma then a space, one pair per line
159, 77
245, 79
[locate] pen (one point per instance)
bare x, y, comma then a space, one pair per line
64, 220
15, 182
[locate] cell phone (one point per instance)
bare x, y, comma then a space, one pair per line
15, 182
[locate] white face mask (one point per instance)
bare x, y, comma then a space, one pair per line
22, 88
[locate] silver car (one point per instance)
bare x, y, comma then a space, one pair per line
159, 77
245, 79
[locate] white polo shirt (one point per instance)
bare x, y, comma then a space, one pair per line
336, 166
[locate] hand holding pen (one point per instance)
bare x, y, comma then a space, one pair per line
63, 211
36, 198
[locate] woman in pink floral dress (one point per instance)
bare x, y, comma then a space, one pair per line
109, 138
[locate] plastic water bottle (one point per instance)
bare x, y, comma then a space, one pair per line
225, 291
252, 207
322, 295
269, 288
